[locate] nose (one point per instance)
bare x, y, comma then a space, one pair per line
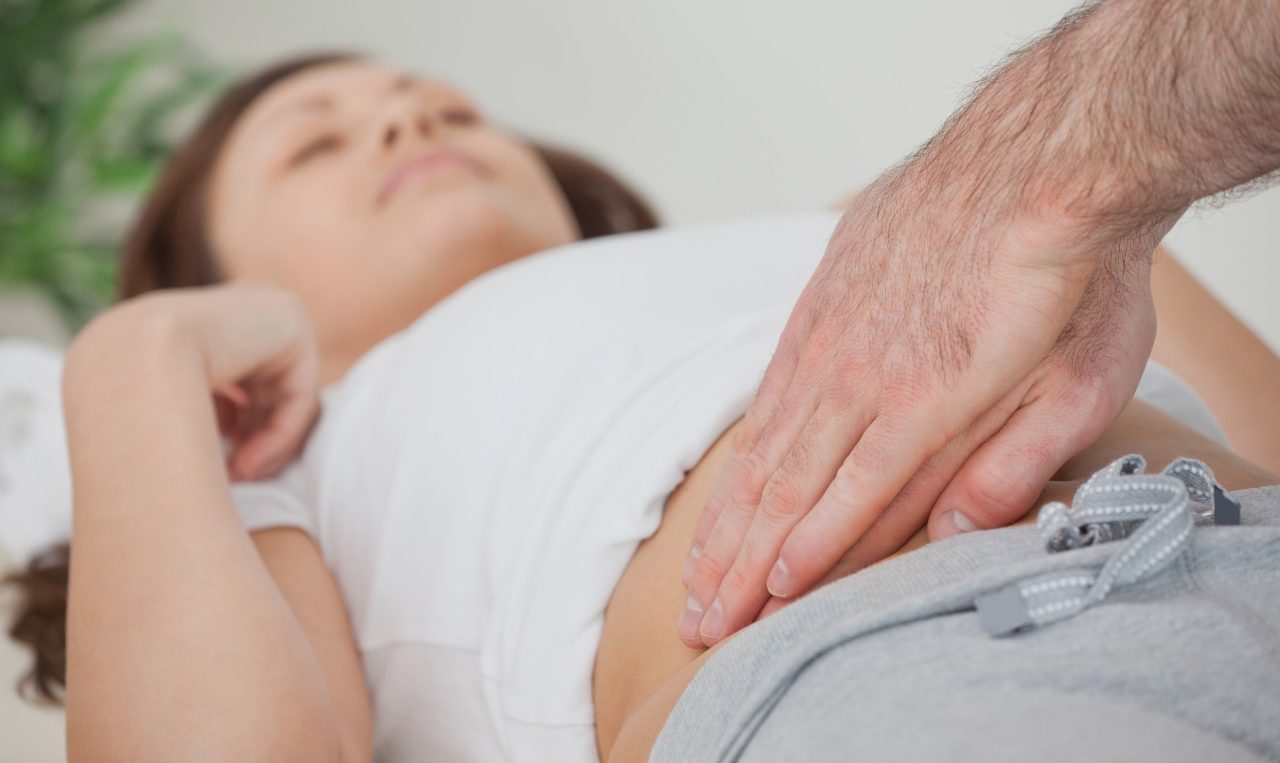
405, 123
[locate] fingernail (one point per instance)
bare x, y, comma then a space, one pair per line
695, 551
954, 523
713, 623
779, 582
690, 619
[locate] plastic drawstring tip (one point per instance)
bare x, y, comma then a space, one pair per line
1003, 612
1225, 510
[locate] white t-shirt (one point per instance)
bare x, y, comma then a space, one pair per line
478, 482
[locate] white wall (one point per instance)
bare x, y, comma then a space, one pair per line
714, 107
718, 107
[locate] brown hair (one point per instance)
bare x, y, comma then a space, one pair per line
41, 622
168, 247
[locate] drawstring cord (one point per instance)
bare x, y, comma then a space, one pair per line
1152, 513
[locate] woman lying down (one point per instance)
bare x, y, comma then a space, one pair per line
476, 553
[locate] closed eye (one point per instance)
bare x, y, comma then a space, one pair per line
459, 116
314, 148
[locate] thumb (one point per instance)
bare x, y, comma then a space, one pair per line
1001, 481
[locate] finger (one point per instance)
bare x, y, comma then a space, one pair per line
885, 457
1003, 479
235, 393
739, 500
266, 451
744, 442
227, 414
229, 404
909, 510
742, 474
791, 491
249, 419
290, 404
269, 448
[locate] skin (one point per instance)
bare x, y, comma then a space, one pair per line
298, 209
641, 671
296, 201
982, 302
161, 559
162, 563
1235, 372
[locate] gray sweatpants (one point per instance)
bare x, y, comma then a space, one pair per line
893, 663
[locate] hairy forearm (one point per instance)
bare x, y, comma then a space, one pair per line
1123, 115
179, 643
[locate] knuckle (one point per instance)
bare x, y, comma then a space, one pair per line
707, 573
870, 455
808, 325
934, 440
996, 496
710, 515
853, 363
747, 489
909, 391
736, 583
815, 356
744, 437
1102, 400
1076, 395
782, 500
840, 391
1083, 409
842, 491
753, 566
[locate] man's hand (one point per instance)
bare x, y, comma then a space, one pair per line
917, 346
1060, 408
982, 311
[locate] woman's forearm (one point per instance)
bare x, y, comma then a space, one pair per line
1235, 372
178, 642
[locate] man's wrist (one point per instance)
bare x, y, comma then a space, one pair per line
1116, 121
1168, 104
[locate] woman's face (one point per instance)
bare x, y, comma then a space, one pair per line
372, 195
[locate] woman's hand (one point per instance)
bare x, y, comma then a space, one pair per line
258, 352
168, 589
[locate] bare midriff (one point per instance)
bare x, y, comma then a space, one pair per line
642, 666
639, 650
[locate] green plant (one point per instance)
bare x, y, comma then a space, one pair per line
84, 127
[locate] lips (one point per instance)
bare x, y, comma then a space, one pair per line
422, 165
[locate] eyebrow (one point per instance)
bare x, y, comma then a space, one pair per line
321, 102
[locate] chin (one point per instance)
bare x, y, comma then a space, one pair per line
480, 221
437, 242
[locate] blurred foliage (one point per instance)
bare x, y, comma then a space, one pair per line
84, 128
